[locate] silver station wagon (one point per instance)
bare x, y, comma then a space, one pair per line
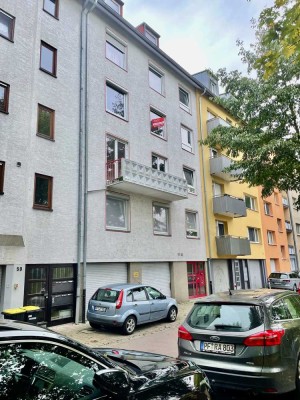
284, 280
129, 305
246, 339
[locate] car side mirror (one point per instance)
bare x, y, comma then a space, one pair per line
114, 381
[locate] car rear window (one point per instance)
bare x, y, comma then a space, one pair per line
228, 317
278, 275
107, 295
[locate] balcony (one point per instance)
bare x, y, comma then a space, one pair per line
215, 122
292, 250
217, 166
288, 226
285, 202
229, 206
131, 177
233, 246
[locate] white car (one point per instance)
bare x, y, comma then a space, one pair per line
284, 280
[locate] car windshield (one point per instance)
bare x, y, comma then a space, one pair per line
229, 317
278, 275
108, 295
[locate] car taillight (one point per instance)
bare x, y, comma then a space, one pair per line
120, 299
267, 338
184, 333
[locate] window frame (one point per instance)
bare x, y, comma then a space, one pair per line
126, 202
150, 36
297, 229
268, 208
256, 234
185, 107
158, 73
271, 235
38, 206
196, 230
191, 188
122, 91
6, 87
252, 202
159, 158
52, 122
166, 207
112, 3
2, 172
56, 9
185, 145
118, 44
159, 114
11, 27
225, 228
53, 71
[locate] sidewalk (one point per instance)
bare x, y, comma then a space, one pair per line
160, 337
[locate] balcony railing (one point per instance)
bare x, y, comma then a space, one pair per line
132, 177
218, 165
288, 226
229, 206
292, 250
233, 246
285, 202
214, 123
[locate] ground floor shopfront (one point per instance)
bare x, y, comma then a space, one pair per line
53, 287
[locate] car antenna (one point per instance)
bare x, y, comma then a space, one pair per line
229, 291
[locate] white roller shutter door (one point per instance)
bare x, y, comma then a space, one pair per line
104, 274
254, 271
158, 276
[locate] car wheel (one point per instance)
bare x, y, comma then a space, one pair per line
172, 314
298, 378
93, 325
129, 325
295, 288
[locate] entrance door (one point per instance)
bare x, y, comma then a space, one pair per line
196, 279
52, 288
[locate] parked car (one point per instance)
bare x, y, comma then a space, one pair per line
284, 280
245, 339
128, 305
36, 363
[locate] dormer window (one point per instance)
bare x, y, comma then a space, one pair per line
149, 33
213, 87
115, 5
151, 37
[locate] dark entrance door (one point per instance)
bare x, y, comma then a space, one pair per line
196, 279
52, 288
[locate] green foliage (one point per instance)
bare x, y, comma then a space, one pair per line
266, 144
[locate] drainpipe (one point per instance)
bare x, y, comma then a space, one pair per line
83, 163
293, 226
205, 195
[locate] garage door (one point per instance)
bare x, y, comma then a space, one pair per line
255, 275
104, 274
158, 276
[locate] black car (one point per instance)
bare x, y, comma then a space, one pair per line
36, 363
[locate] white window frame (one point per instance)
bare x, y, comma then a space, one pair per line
114, 5
165, 207
252, 202
192, 232
122, 91
298, 229
159, 158
150, 36
184, 106
125, 201
161, 132
268, 208
221, 223
271, 237
153, 71
187, 139
191, 187
213, 87
256, 235
116, 44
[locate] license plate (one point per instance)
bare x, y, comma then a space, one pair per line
221, 348
101, 309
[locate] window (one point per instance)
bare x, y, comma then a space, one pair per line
253, 235
186, 139
116, 101
250, 202
282, 250
48, 59
213, 87
276, 198
268, 208
51, 7
189, 177
298, 229
2, 168
279, 311
161, 224
151, 37
117, 212
214, 153
116, 150
4, 97
155, 80
43, 192
114, 5
191, 224
279, 224
159, 163
45, 124
221, 228
271, 237
7, 24
218, 189
184, 99
157, 123
115, 50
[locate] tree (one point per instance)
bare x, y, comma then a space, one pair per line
265, 145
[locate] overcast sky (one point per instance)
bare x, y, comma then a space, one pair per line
199, 34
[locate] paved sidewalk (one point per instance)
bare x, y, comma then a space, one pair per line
160, 337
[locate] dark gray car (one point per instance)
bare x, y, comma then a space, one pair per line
248, 340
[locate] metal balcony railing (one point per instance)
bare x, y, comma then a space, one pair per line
233, 246
214, 123
229, 206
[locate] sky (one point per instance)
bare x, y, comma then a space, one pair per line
199, 34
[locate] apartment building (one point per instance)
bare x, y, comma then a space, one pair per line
233, 224
99, 162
